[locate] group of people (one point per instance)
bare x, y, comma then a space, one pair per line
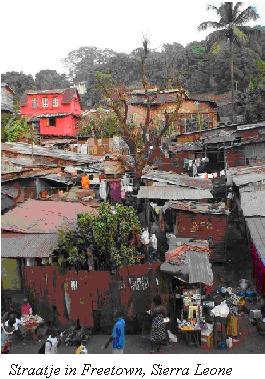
12, 324
158, 335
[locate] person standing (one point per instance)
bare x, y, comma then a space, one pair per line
229, 198
26, 308
118, 335
159, 335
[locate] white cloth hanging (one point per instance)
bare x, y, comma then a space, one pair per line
103, 190
145, 237
153, 241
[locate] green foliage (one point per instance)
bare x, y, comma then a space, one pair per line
112, 231
50, 79
5, 120
16, 129
197, 49
18, 81
100, 124
109, 235
257, 82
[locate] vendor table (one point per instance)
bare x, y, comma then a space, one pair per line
191, 337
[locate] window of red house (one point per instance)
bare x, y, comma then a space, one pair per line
45, 102
34, 102
52, 121
55, 102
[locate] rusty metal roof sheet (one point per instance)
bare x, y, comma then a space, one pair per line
251, 126
214, 208
26, 149
180, 180
58, 178
48, 115
36, 216
194, 267
173, 193
28, 245
253, 203
242, 180
10, 191
244, 175
256, 226
186, 146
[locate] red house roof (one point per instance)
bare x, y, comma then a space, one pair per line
68, 94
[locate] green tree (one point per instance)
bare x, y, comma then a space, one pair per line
17, 129
50, 79
101, 123
231, 27
139, 139
109, 235
18, 81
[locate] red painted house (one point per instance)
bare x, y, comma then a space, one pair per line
54, 112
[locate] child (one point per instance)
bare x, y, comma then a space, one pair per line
118, 335
80, 348
52, 343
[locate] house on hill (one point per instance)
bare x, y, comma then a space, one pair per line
7, 98
53, 112
193, 115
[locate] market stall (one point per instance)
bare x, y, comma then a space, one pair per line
189, 274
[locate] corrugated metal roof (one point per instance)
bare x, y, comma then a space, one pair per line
58, 178
187, 146
195, 268
251, 126
173, 193
48, 115
242, 180
28, 245
25, 148
52, 91
215, 208
253, 203
256, 226
243, 175
10, 191
36, 216
180, 180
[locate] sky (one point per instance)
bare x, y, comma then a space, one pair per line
37, 35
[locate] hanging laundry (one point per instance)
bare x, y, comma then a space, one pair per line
153, 241
194, 169
115, 190
85, 182
103, 190
145, 237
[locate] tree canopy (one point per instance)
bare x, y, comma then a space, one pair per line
106, 241
50, 79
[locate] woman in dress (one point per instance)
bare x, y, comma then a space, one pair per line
159, 334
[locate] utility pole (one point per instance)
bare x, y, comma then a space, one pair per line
32, 140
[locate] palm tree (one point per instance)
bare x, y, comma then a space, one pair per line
230, 27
